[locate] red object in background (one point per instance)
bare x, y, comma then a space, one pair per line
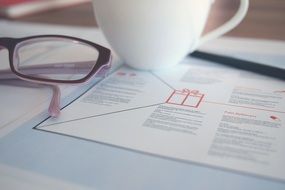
18, 8
13, 2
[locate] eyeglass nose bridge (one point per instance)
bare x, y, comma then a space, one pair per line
6, 43
2, 46
9, 45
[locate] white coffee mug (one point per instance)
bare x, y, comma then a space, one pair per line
150, 34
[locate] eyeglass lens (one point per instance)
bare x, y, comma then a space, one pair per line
55, 58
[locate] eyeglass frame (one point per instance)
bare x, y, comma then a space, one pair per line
104, 60
10, 44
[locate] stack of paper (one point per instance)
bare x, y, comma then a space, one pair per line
199, 125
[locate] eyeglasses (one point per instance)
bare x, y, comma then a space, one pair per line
52, 60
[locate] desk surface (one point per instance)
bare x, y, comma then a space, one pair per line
265, 19
108, 167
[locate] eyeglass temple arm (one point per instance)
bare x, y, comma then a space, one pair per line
54, 106
51, 68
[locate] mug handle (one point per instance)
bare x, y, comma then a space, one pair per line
229, 25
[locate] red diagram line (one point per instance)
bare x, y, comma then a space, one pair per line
224, 104
201, 98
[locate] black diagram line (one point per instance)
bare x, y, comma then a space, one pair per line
92, 116
93, 85
160, 79
85, 91
99, 115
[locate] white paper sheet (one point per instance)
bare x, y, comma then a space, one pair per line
196, 112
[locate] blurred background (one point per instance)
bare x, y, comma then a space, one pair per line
265, 19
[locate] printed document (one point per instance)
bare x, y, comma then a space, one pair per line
197, 112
